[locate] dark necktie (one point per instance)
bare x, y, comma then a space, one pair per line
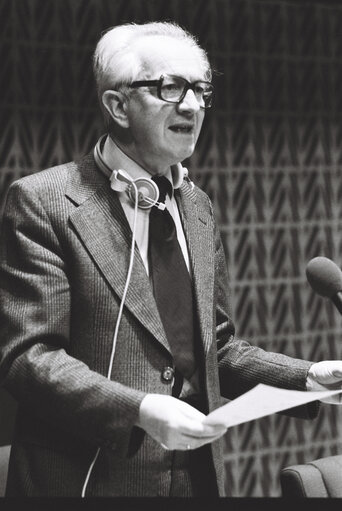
172, 285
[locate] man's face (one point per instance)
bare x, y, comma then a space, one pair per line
164, 134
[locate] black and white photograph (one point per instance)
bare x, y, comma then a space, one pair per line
170, 254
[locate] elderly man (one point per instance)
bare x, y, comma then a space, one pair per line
116, 338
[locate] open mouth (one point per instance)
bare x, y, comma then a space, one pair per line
182, 128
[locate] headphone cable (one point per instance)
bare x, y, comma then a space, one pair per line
118, 321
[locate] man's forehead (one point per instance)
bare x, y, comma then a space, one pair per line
163, 54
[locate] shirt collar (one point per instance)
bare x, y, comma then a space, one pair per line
116, 159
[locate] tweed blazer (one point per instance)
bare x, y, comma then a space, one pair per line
64, 259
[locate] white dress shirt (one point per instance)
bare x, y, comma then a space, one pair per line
117, 159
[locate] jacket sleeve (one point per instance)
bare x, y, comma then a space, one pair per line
35, 366
241, 365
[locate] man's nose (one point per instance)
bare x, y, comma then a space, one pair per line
189, 102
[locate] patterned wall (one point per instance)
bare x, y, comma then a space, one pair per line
270, 156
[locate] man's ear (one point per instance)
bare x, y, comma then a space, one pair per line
115, 104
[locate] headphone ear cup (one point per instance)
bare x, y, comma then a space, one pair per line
119, 180
147, 189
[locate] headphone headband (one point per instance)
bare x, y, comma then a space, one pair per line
148, 192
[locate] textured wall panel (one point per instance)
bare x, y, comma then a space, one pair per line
269, 155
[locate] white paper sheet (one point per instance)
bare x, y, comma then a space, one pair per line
262, 400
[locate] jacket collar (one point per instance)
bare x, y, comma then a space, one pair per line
198, 229
104, 230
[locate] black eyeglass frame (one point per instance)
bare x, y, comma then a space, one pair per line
187, 85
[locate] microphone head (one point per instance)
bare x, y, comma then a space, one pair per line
324, 276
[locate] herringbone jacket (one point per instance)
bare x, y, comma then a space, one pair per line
64, 259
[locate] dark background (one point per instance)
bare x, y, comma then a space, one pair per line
270, 157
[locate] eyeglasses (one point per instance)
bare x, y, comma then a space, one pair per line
173, 89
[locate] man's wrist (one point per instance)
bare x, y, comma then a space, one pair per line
139, 416
311, 380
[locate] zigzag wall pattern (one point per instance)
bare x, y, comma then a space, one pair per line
270, 157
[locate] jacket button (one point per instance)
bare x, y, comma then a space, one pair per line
168, 374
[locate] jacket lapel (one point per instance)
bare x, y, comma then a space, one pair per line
198, 229
103, 228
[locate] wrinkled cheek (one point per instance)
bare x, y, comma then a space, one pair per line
142, 135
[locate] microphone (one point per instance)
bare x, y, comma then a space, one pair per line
325, 278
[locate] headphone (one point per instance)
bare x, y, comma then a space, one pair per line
148, 192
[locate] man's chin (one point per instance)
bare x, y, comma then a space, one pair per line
186, 153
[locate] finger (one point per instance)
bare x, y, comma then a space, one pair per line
206, 434
333, 400
204, 439
185, 443
197, 443
189, 411
197, 429
186, 447
329, 386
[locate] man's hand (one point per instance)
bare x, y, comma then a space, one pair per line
326, 375
175, 424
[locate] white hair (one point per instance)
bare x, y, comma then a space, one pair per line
115, 63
